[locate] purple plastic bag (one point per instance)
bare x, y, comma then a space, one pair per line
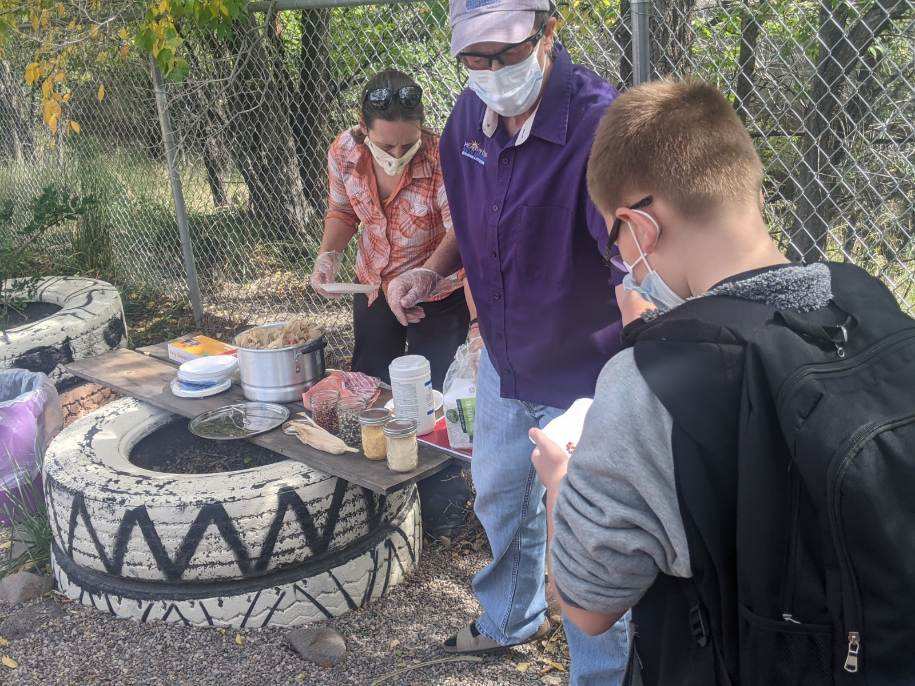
30, 416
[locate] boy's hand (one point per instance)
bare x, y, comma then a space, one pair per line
550, 460
631, 304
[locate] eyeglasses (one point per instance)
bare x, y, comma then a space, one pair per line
616, 260
507, 56
381, 98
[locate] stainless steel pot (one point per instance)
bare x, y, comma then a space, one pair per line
281, 375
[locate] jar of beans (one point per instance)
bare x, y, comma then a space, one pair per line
324, 410
403, 449
373, 443
348, 411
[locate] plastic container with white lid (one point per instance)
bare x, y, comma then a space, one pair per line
411, 386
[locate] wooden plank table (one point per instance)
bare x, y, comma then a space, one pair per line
145, 375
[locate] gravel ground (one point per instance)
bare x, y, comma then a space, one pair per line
71, 644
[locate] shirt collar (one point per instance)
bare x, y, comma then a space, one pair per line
552, 125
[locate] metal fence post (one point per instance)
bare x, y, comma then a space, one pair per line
171, 155
639, 12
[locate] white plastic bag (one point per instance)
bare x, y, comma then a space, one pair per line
460, 395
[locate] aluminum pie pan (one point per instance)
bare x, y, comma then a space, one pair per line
237, 421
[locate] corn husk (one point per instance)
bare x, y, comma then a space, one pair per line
311, 434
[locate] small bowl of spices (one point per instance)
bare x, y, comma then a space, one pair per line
348, 411
371, 423
324, 410
403, 449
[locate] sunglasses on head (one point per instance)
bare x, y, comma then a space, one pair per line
380, 99
616, 260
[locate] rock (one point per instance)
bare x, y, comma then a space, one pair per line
323, 646
22, 586
27, 619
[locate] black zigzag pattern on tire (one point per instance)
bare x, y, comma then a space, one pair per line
215, 514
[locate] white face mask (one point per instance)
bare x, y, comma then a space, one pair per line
653, 288
511, 90
392, 166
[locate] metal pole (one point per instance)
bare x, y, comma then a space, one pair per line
171, 157
640, 11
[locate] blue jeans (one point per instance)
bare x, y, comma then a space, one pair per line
509, 504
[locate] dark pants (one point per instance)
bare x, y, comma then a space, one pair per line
380, 338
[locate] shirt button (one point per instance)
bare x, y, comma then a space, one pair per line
495, 207
495, 254
505, 161
497, 297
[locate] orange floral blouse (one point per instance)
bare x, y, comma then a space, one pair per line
404, 230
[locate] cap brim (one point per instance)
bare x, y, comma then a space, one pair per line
492, 27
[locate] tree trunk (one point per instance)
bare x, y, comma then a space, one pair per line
11, 120
671, 37
315, 91
746, 60
261, 138
211, 121
841, 47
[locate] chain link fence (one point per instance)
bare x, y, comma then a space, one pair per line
824, 86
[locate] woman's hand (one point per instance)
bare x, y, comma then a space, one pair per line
327, 264
631, 304
550, 460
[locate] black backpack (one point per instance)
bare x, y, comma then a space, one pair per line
816, 585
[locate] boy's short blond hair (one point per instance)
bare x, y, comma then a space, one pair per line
680, 140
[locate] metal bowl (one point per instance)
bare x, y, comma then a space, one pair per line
281, 375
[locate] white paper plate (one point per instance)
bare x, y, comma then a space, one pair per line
348, 288
208, 369
203, 392
567, 427
437, 402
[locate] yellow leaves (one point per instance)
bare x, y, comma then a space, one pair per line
46, 87
3, 642
67, 96
124, 34
94, 31
523, 666
32, 72
102, 57
8, 662
239, 640
59, 76
74, 126
124, 51
50, 112
59, 8
101, 92
162, 7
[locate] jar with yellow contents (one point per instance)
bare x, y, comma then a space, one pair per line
371, 424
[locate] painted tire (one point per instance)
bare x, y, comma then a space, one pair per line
110, 516
281, 544
322, 588
90, 322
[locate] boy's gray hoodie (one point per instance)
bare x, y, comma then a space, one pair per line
617, 520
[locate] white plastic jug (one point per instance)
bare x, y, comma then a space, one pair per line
411, 386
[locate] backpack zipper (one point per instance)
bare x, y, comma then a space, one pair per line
846, 363
851, 600
791, 554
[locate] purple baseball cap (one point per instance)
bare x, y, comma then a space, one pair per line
498, 21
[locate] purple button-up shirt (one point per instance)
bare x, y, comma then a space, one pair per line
531, 240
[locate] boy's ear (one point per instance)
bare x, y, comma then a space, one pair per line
644, 228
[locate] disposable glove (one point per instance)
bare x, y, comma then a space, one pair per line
327, 265
409, 289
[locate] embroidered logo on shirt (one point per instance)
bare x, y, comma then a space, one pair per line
473, 4
474, 151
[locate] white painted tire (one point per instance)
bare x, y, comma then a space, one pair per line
110, 516
281, 544
90, 322
319, 589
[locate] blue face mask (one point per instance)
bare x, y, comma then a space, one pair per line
653, 288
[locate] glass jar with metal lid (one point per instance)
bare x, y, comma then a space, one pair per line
403, 450
371, 423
